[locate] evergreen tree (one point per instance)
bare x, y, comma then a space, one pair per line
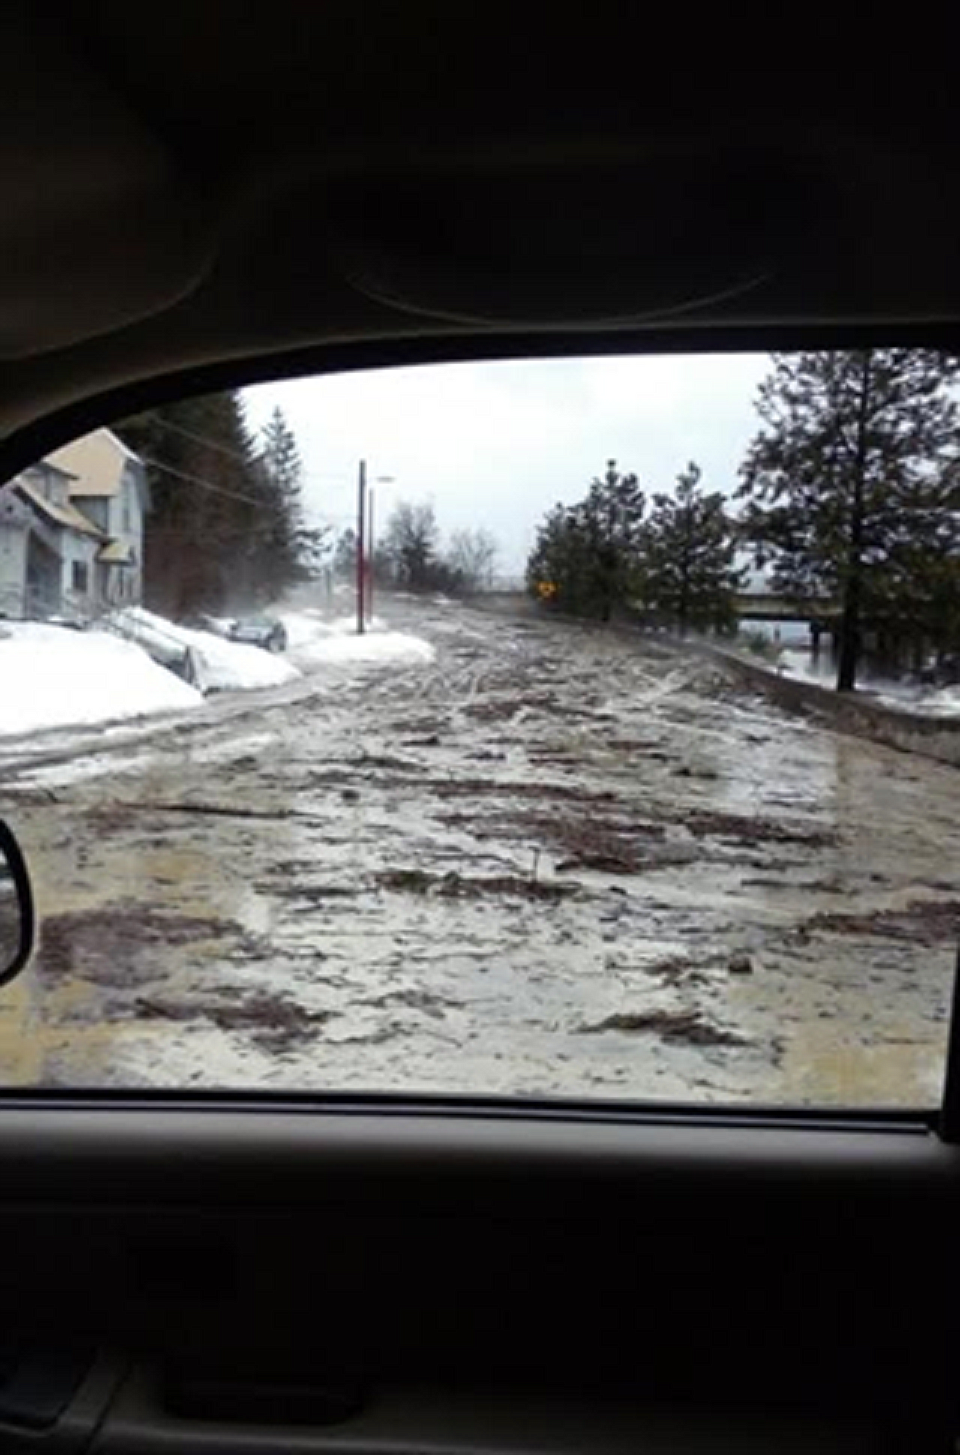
852, 487
586, 556
294, 551
282, 471
281, 458
689, 578
225, 529
206, 496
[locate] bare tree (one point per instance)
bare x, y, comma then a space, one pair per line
473, 556
409, 550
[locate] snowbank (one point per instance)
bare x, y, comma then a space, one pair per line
939, 702
305, 627
373, 647
798, 665
52, 677
944, 703
924, 702
221, 665
314, 640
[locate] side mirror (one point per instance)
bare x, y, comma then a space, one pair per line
17, 917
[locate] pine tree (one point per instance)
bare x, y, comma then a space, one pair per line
205, 504
852, 486
586, 556
282, 538
225, 530
689, 578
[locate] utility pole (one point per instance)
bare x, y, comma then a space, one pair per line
361, 544
370, 561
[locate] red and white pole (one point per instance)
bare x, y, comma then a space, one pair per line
370, 559
361, 545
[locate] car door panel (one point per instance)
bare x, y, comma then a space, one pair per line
390, 1268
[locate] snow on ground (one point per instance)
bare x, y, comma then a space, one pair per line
372, 647
910, 697
305, 627
51, 677
799, 664
926, 701
944, 702
222, 666
55, 677
314, 641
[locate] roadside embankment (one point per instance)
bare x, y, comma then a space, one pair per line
847, 712
855, 714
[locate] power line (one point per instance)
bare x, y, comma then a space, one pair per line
212, 444
203, 484
200, 439
324, 523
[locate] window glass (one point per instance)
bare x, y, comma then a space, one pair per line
575, 728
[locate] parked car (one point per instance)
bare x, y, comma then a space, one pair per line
220, 626
260, 631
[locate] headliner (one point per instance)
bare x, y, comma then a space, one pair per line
208, 194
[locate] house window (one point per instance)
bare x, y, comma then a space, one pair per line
80, 577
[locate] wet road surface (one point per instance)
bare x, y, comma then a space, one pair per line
553, 861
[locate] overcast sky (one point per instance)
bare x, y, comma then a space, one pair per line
498, 444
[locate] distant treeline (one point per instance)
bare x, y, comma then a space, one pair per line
849, 495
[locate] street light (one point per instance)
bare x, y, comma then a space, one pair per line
361, 542
380, 480
365, 546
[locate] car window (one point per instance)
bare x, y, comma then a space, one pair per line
568, 728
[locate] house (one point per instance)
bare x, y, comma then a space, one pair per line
71, 531
108, 485
48, 549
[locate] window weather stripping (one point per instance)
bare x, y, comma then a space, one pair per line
950, 1108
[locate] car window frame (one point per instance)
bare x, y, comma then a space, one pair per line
50, 431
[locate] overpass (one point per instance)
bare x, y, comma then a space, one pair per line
768, 606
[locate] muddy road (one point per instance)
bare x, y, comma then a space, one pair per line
550, 861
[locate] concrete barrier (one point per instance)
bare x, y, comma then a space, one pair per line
847, 712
